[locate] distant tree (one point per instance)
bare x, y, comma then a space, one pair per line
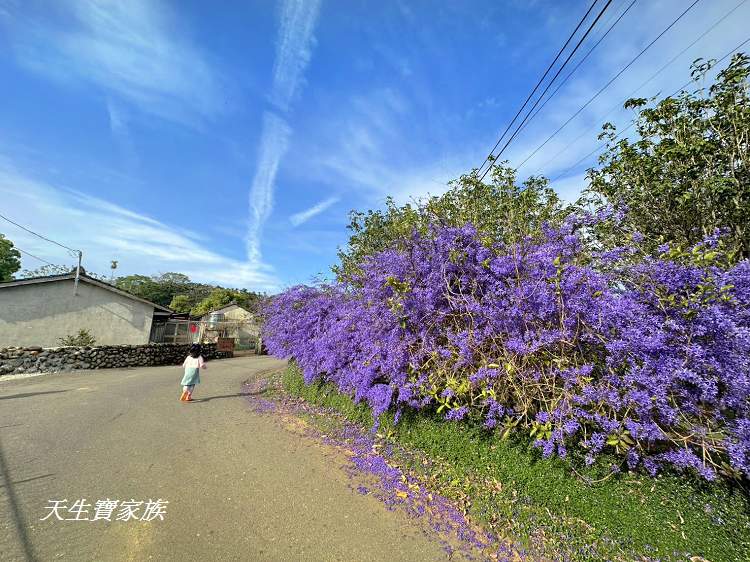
221, 297
248, 300
688, 171
57, 269
159, 289
133, 283
10, 259
46, 270
178, 292
181, 303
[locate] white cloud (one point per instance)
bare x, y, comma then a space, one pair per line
293, 49
273, 145
304, 216
128, 49
293, 52
105, 231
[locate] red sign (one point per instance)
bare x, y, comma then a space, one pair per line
225, 344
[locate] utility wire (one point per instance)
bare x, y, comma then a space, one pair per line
32, 255
539, 83
591, 50
608, 84
39, 235
630, 126
631, 94
526, 118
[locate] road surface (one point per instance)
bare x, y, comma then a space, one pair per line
239, 486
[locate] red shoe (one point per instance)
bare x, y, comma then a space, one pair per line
189, 397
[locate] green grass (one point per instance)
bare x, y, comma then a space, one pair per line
508, 486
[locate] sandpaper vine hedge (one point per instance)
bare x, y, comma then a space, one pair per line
643, 356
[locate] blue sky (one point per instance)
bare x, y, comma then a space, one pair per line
230, 144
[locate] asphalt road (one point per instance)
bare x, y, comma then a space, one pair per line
239, 486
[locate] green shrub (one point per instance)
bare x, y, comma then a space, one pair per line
81, 339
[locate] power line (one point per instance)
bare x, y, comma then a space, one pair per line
591, 50
608, 84
630, 126
526, 118
630, 95
76, 252
539, 83
32, 255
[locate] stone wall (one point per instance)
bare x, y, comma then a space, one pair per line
17, 360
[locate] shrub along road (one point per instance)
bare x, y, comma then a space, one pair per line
239, 486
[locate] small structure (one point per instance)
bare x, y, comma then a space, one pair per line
230, 321
40, 310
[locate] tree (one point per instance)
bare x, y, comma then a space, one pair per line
181, 303
47, 270
159, 289
688, 172
179, 293
500, 209
10, 259
221, 297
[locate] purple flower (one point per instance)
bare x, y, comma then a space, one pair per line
457, 414
539, 330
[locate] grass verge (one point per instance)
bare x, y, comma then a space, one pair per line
510, 488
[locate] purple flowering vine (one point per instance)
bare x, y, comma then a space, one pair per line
643, 356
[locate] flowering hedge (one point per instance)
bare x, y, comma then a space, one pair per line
646, 357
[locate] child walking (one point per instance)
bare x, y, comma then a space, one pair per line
193, 364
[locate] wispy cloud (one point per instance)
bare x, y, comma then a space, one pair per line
368, 146
128, 49
293, 49
106, 231
293, 52
273, 145
118, 125
304, 216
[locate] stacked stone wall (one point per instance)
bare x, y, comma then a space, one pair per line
18, 360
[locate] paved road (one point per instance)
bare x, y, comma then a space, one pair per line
239, 486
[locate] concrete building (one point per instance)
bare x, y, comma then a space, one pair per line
41, 310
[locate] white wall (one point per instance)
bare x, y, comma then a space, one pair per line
41, 313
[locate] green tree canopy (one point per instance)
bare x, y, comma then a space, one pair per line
160, 289
178, 292
181, 303
221, 297
687, 173
10, 259
501, 209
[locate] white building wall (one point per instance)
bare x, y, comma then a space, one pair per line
42, 313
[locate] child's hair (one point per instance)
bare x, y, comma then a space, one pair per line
195, 350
